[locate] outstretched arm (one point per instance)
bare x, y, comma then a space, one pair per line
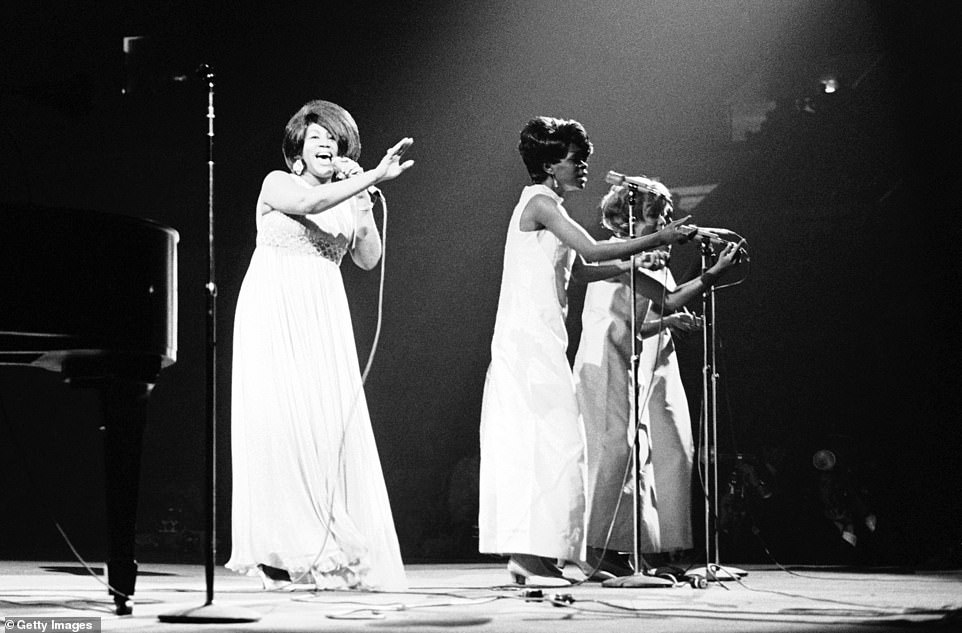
587, 273
674, 300
683, 321
542, 212
279, 192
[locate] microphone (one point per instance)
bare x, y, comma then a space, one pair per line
724, 234
712, 237
638, 182
708, 235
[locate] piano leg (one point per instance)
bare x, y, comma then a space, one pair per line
125, 414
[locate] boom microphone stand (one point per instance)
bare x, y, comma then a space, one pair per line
209, 613
713, 569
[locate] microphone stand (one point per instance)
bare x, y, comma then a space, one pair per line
713, 569
209, 613
639, 578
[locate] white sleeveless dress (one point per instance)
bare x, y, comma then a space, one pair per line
532, 442
602, 376
308, 490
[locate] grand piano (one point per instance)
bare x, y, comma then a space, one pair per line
93, 296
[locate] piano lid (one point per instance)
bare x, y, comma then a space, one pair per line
77, 282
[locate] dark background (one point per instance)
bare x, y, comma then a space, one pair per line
843, 333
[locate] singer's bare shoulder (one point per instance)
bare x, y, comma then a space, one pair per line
536, 212
275, 185
278, 178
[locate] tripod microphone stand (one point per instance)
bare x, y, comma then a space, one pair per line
209, 613
713, 570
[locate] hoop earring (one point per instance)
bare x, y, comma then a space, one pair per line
298, 167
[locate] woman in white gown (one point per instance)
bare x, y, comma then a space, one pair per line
532, 480
309, 500
602, 377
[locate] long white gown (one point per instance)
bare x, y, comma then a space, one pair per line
308, 489
532, 440
602, 375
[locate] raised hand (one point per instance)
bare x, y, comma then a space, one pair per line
391, 166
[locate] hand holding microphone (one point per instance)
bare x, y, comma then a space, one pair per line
345, 168
676, 232
722, 238
731, 254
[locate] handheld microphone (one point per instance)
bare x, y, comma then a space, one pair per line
638, 182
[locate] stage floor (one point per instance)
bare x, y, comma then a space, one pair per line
447, 597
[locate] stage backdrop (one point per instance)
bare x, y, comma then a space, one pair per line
839, 329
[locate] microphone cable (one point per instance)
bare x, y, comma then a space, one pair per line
355, 400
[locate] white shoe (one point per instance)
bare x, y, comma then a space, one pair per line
534, 571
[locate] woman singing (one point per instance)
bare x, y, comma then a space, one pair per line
309, 500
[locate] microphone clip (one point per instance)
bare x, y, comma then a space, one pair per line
639, 183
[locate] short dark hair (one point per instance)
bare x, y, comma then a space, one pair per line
332, 118
545, 140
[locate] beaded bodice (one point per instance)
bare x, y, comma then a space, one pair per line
327, 234
299, 234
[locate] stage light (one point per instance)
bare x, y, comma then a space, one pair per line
824, 459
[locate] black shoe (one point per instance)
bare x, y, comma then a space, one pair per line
275, 573
601, 565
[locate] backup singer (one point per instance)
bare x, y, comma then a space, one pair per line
532, 481
309, 500
602, 375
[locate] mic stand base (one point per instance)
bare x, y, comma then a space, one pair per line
210, 614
